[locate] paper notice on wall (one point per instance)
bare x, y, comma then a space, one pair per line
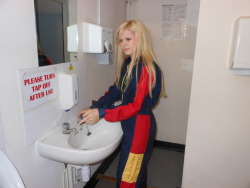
173, 20
39, 88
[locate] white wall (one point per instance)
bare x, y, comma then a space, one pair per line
18, 50
176, 59
218, 137
113, 13
21, 127
1, 135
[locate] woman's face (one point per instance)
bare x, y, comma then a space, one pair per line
128, 42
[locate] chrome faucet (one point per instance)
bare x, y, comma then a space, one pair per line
66, 128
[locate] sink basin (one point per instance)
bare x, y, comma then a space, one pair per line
86, 145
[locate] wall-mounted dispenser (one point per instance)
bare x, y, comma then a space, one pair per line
97, 39
240, 54
72, 35
68, 90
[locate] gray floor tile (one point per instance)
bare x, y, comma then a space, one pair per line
164, 169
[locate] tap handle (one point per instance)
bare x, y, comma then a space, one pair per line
65, 126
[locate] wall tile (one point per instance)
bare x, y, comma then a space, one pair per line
33, 129
43, 118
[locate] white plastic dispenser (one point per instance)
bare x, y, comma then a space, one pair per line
240, 52
97, 39
72, 36
68, 90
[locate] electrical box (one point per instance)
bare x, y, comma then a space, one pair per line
240, 52
97, 39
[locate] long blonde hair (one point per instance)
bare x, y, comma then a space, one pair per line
143, 51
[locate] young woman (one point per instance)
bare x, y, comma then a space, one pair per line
138, 85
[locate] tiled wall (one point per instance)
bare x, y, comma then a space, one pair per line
45, 116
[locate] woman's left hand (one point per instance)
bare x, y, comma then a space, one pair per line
91, 116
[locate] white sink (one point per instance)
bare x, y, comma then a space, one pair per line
79, 148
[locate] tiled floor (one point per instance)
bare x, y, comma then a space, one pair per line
164, 170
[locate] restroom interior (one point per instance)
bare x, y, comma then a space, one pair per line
207, 105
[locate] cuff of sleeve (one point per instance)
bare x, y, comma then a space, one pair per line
94, 104
101, 112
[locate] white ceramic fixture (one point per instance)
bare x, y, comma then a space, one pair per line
9, 177
90, 145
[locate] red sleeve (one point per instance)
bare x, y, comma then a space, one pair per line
49, 61
126, 111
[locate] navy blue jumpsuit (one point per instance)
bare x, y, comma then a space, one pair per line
137, 121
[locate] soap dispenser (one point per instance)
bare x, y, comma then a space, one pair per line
68, 90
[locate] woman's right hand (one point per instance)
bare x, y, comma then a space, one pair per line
81, 112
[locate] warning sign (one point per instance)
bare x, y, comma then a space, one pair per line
39, 88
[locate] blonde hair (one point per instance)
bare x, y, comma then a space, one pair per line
143, 51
